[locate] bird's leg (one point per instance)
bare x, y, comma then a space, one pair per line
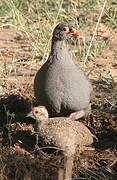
68, 167
80, 114
77, 115
37, 140
61, 174
36, 131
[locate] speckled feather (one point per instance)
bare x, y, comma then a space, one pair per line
65, 133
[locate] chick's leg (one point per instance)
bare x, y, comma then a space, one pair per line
68, 167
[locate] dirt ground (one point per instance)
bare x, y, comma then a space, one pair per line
19, 159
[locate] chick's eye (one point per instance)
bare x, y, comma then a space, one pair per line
36, 112
66, 29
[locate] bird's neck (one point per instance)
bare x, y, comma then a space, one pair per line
57, 45
42, 121
59, 53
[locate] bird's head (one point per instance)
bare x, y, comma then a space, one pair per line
39, 113
63, 30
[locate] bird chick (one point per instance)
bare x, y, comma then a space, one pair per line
64, 133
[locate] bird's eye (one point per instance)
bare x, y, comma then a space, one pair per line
36, 112
66, 29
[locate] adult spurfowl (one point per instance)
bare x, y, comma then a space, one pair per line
60, 85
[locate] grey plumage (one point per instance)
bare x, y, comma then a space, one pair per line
60, 85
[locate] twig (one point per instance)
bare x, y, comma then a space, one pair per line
88, 51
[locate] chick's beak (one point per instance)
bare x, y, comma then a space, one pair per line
30, 114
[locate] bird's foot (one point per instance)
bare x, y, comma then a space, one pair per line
77, 115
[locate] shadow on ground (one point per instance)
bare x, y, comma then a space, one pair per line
13, 107
21, 160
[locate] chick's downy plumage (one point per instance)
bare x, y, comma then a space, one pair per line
60, 84
65, 133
